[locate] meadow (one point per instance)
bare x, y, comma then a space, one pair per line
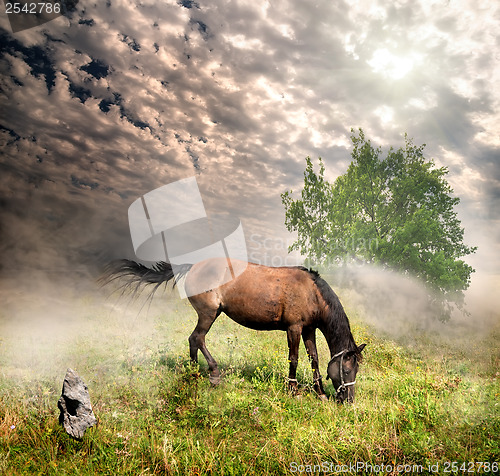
422, 402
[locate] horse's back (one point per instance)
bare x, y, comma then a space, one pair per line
259, 297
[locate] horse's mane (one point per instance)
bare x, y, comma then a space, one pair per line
337, 323
324, 288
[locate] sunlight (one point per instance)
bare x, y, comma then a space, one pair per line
385, 113
389, 65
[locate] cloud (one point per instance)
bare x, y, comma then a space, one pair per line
118, 98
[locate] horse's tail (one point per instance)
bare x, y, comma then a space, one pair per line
134, 274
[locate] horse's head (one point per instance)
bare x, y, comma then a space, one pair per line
342, 369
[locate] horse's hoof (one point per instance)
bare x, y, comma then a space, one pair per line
214, 380
323, 397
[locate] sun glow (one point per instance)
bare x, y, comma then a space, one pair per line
389, 65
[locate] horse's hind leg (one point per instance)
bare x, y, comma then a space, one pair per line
197, 341
309, 338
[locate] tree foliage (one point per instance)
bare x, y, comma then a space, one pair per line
396, 211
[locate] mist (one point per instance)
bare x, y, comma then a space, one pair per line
47, 325
46, 322
398, 307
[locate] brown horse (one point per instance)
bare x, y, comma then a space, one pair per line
291, 299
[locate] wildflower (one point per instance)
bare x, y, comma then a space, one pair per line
12, 427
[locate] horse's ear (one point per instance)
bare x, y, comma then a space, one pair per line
361, 347
349, 355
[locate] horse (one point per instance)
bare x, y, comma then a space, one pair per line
292, 299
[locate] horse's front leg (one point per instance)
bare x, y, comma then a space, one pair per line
293, 334
309, 337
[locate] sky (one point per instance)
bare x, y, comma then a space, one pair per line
118, 98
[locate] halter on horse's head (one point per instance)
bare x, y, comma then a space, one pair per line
343, 375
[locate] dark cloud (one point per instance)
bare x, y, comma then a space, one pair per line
96, 68
36, 57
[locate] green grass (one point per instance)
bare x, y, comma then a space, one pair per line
429, 402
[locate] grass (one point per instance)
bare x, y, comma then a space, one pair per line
423, 402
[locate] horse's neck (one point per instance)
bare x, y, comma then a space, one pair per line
337, 332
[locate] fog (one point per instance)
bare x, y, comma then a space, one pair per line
398, 307
48, 327
46, 323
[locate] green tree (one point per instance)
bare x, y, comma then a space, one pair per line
397, 212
